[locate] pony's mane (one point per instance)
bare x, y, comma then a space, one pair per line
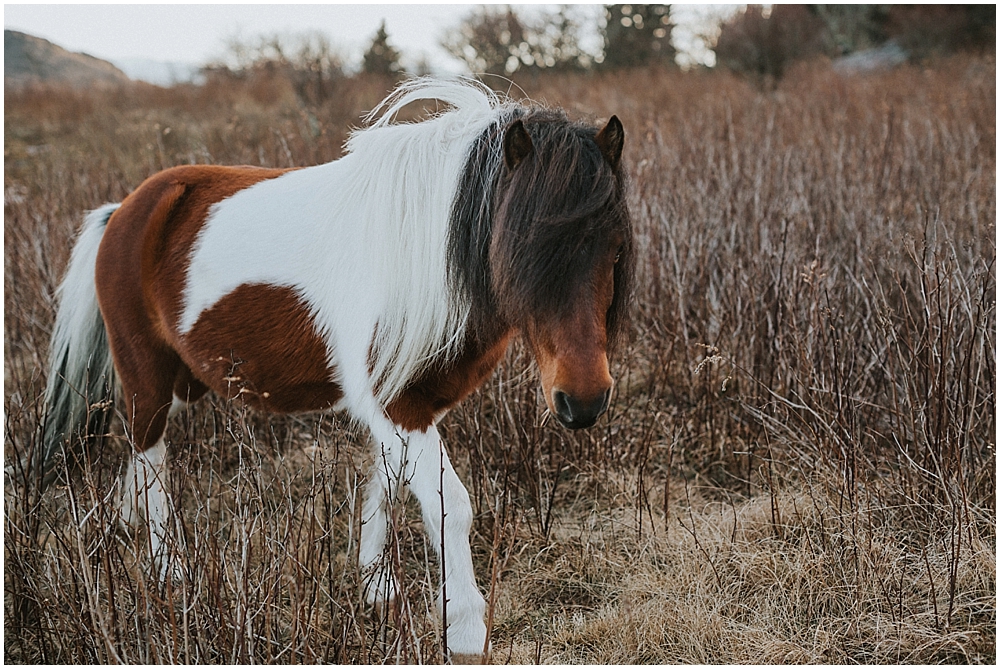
436, 194
421, 320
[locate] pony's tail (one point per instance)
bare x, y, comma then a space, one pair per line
80, 386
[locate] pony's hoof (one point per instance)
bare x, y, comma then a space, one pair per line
468, 658
167, 570
466, 640
380, 587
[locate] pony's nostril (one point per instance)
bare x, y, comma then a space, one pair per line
574, 413
605, 402
564, 412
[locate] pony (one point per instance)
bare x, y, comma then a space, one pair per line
387, 283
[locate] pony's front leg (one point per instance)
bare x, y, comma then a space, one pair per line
447, 515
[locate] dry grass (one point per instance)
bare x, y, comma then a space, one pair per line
799, 464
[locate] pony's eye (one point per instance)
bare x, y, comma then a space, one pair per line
618, 254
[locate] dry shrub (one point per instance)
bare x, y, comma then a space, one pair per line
798, 466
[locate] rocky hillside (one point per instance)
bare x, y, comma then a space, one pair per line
28, 59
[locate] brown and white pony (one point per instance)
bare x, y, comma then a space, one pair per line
387, 283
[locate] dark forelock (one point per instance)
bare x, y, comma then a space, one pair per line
545, 219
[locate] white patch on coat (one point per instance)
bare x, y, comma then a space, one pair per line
362, 241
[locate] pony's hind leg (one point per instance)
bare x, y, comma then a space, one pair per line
144, 488
376, 567
145, 497
419, 460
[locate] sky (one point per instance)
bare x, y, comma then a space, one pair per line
198, 33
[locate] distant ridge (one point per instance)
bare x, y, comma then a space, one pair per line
28, 59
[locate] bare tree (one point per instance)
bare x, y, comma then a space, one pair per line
495, 40
487, 40
763, 42
307, 60
929, 30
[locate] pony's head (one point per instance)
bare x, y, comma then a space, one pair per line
559, 258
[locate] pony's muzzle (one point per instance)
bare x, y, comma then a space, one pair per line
575, 412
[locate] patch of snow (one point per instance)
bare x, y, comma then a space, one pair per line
884, 57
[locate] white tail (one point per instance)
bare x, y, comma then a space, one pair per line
79, 389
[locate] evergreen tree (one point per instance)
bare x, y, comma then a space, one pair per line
381, 57
637, 35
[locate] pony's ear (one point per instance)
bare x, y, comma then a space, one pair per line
516, 145
610, 141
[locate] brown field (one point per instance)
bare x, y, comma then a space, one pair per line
798, 466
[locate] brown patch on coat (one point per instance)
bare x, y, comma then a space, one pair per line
140, 273
437, 390
260, 343
188, 388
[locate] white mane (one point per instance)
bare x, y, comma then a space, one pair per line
410, 176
